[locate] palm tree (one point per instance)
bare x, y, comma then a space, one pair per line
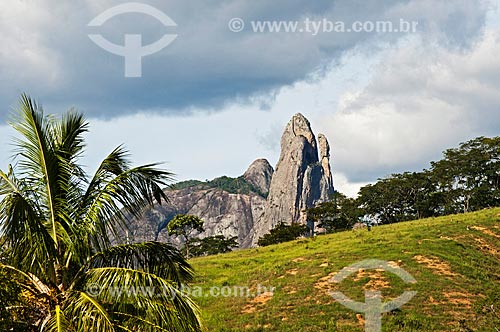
57, 225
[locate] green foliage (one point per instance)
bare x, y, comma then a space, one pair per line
184, 225
186, 184
232, 185
340, 213
466, 179
400, 197
56, 223
237, 185
282, 233
212, 245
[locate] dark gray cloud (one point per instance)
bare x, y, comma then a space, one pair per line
46, 51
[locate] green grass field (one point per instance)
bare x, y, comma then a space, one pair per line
455, 260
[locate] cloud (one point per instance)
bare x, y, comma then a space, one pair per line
421, 99
213, 101
207, 67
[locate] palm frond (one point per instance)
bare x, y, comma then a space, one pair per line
146, 296
118, 192
158, 258
88, 314
31, 244
39, 162
28, 281
57, 225
58, 322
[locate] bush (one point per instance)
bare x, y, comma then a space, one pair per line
283, 233
212, 245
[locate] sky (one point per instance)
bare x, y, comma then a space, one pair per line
214, 100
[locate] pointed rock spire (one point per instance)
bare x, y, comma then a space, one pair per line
301, 179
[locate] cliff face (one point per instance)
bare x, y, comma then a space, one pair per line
301, 179
228, 210
238, 207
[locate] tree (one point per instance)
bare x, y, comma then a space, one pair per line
282, 233
340, 213
56, 224
400, 197
184, 225
212, 245
468, 177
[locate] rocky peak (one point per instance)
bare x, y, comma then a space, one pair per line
300, 180
259, 175
298, 126
298, 138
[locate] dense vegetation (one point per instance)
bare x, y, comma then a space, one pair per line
58, 268
237, 185
187, 184
184, 225
466, 179
455, 260
212, 245
283, 233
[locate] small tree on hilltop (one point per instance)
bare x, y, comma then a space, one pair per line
184, 225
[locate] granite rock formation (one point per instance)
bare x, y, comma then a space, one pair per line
259, 175
249, 206
301, 179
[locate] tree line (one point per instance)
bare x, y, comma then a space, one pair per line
466, 179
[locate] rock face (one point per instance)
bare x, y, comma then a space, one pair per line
326, 184
238, 207
259, 174
301, 180
223, 213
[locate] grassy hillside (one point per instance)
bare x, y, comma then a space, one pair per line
455, 260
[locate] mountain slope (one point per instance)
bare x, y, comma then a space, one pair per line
455, 260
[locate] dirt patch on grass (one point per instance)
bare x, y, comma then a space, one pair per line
289, 290
377, 279
361, 320
298, 259
486, 247
462, 302
293, 271
433, 301
324, 283
459, 298
435, 264
459, 304
257, 303
486, 231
